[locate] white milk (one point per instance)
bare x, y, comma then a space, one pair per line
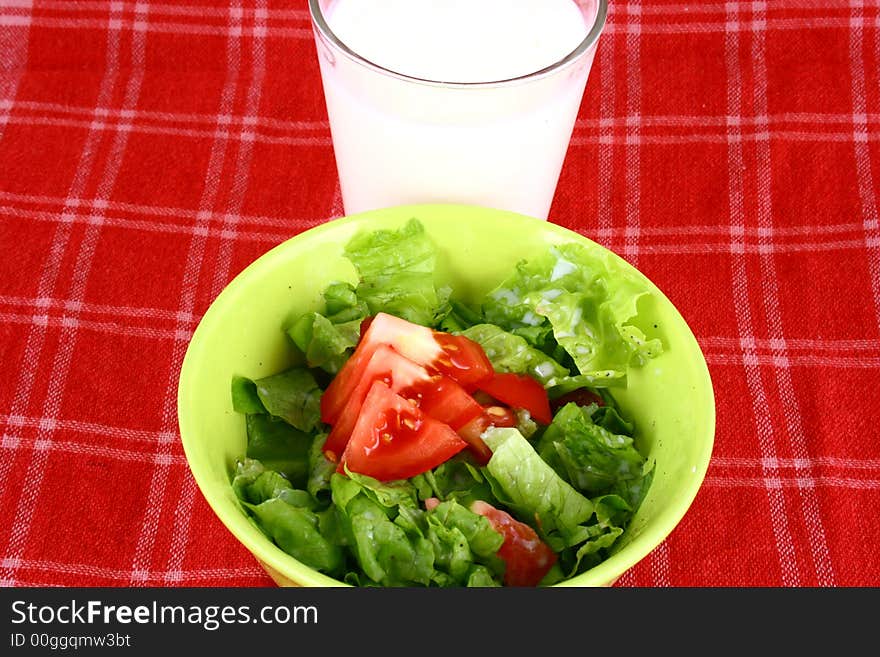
398, 140
459, 40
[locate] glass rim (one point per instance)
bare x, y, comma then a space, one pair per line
320, 24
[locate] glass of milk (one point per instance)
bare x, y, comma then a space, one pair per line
453, 101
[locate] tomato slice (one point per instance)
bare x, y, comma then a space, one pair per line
527, 558
443, 399
493, 416
463, 360
457, 357
384, 365
520, 391
436, 395
393, 439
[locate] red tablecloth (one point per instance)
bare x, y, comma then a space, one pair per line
149, 151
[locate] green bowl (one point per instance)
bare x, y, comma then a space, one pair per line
670, 399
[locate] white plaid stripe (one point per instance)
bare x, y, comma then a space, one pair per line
708, 121
159, 27
632, 173
37, 335
605, 183
737, 136
861, 136
69, 324
769, 470
83, 208
659, 558
824, 462
769, 278
718, 27
152, 226
42, 446
97, 430
242, 170
724, 9
795, 344
741, 296
753, 359
775, 483
89, 570
242, 164
194, 261
149, 314
249, 135
43, 110
180, 535
13, 61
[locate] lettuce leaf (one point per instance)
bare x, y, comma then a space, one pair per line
324, 344
384, 551
529, 486
512, 353
587, 298
279, 446
482, 539
292, 395
342, 303
285, 515
591, 458
456, 479
320, 470
396, 273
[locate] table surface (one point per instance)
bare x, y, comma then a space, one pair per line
150, 151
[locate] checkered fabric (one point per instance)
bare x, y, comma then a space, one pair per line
150, 150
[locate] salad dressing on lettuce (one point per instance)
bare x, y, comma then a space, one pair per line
529, 485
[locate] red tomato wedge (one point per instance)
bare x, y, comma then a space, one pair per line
493, 416
384, 365
443, 399
393, 439
463, 360
457, 357
527, 558
519, 391
436, 395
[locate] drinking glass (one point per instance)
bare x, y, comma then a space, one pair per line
400, 139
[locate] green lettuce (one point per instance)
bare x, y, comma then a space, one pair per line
525, 483
342, 303
324, 344
285, 515
456, 479
587, 298
581, 530
394, 542
320, 470
384, 551
396, 273
512, 353
292, 395
593, 459
278, 446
